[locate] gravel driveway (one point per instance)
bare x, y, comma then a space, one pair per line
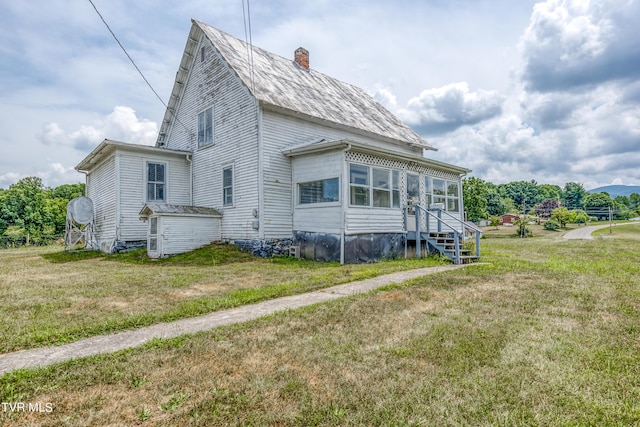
584, 233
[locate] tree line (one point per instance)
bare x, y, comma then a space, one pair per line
483, 200
33, 213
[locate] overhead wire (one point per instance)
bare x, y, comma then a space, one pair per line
136, 66
246, 14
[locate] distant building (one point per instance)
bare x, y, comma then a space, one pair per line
509, 219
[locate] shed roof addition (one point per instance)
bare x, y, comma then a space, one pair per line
176, 210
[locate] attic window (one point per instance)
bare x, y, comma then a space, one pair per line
205, 127
202, 54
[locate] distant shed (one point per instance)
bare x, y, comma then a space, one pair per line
174, 229
509, 219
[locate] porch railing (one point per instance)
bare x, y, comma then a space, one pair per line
438, 216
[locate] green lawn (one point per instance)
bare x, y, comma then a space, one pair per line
546, 333
51, 297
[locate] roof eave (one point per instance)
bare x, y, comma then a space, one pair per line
108, 146
346, 144
179, 83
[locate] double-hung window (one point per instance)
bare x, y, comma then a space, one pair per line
375, 187
439, 191
413, 189
205, 127
444, 192
227, 186
428, 190
156, 182
381, 188
359, 188
453, 196
395, 189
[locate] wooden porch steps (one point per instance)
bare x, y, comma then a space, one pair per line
444, 243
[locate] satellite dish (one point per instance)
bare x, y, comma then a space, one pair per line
80, 210
79, 229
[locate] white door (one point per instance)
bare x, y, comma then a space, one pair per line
153, 242
413, 198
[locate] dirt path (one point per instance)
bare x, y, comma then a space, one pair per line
120, 341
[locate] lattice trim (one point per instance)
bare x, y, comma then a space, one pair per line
354, 156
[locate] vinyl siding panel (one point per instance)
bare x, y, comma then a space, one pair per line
101, 189
235, 141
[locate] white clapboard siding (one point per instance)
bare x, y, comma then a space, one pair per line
280, 131
101, 189
374, 220
212, 84
181, 234
133, 194
320, 217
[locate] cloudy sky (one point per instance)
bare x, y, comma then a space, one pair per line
515, 90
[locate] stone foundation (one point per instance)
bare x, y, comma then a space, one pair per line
265, 248
128, 246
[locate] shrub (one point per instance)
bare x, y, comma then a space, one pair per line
551, 225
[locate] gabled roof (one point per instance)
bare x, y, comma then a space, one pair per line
108, 146
281, 83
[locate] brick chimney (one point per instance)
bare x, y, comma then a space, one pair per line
301, 57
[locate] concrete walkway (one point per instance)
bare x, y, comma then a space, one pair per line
128, 339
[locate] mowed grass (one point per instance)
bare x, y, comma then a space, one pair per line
52, 297
547, 333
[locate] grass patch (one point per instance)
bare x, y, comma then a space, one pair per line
546, 333
52, 297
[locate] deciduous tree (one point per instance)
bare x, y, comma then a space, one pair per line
475, 198
573, 195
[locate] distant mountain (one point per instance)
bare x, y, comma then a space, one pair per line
617, 190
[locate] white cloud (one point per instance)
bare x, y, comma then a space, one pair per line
122, 124
54, 175
449, 107
9, 178
566, 74
385, 97
573, 43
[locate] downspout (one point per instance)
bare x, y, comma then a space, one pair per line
260, 171
118, 199
345, 192
86, 182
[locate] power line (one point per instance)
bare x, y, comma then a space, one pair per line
136, 66
247, 18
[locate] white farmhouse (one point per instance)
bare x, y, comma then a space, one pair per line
267, 153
